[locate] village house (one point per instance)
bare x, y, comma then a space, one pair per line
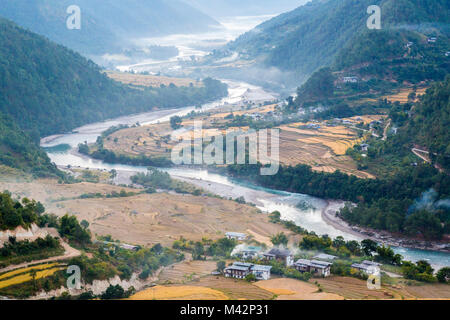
365, 147
315, 267
324, 256
432, 40
236, 235
240, 270
250, 252
352, 79
280, 254
368, 267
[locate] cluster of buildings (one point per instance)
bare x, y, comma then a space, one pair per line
319, 265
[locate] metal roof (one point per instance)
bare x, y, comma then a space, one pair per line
325, 256
235, 234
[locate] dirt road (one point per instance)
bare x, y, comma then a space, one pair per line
68, 254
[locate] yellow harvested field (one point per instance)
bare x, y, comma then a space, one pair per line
24, 270
235, 289
402, 96
27, 277
149, 80
339, 147
179, 293
291, 289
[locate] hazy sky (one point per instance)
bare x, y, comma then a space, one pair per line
221, 8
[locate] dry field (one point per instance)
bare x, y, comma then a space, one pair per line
186, 271
291, 289
179, 293
51, 194
402, 96
141, 80
323, 149
164, 218
234, 289
351, 288
147, 218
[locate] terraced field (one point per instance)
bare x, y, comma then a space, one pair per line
187, 271
179, 293
24, 275
235, 289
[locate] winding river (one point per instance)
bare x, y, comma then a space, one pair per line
304, 210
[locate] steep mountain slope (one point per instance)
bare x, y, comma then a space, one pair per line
19, 151
47, 89
429, 124
312, 35
105, 25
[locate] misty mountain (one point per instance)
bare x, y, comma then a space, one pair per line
224, 8
48, 89
106, 26
311, 36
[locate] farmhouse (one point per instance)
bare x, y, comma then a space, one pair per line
240, 270
236, 236
321, 268
280, 254
250, 252
352, 79
368, 267
324, 256
365, 147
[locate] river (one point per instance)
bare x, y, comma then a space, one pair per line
304, 210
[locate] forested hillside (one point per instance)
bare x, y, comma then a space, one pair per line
47, 89
428, 126
19, 151
106, 25
313, 35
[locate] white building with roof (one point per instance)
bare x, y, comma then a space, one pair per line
315, 267
240, 270
368, 267
236, 236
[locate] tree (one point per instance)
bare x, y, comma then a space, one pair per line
114, 292
425, 223
175, 122
443, 275
221, 266
338, 242
279, 239
369, 246
198, 251
250, 277
84, 224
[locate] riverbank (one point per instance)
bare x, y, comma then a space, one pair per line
330, 217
